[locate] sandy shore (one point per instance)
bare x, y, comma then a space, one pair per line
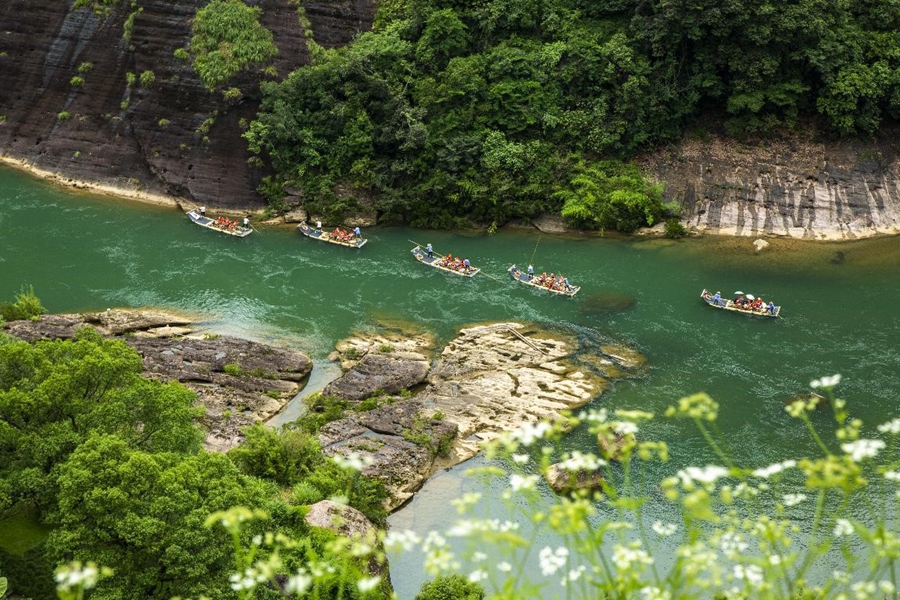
127, 193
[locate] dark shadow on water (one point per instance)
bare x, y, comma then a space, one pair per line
605, 302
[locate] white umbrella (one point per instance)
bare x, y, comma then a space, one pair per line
739, 293
751, 297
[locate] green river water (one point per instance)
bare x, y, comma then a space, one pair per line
83, 252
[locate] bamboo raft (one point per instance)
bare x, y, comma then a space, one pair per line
435, 261
324, 236
729, 305
204, 221
527, 279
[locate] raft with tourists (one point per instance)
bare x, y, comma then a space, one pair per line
747, 304
220, 224
457, 266
555, 284
341, 237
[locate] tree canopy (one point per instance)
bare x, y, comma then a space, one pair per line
487, 111
54, 394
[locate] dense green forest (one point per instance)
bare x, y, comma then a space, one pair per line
110, 463
453, 111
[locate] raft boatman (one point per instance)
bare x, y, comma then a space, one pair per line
429, 250
530, 272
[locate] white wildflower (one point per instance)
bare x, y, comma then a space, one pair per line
892, 427
752, 574
353, 460
521, 459
624, 427
654, 593
504, 567
774, 560
774, 469
552, 560
708, 474
76, 575
532, 432
892, 475
478, 575
626, 556
825, 382
520, 483
367, 584
842, 527
840, 576
582, 462
664, 529
793, 499
595, 416
479, 556
404, 540
886, 587
861, 449
863, 590
298, 584
732, 543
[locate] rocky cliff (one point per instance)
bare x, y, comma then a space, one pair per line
169, 138
798, 187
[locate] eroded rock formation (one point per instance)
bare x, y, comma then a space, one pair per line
798, 187
171, 138
489, 380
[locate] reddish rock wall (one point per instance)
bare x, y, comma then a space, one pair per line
140, 139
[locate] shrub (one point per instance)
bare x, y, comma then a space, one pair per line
64, 115
147, 79
228, 38
181, 54
26, 306
450, 587
85, 68
233, 369
76, 81
163, 123
674, 229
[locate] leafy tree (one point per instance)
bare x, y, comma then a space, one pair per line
450, 587
54, 394
611, 195
284, 457
144, 514
227, 39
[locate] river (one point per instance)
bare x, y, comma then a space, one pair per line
83, 252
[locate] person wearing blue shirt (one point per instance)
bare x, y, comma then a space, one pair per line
566, 284
717, 298
771, 307
530, 272
466, 264
357, 232
429, 250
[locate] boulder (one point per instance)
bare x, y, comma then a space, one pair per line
612, 444
377, 373
760, 245
565, 481
341, 519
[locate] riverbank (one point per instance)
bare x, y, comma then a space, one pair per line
132, 193
735, 220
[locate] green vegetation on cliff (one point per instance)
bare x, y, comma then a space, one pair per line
227, 39
498, 109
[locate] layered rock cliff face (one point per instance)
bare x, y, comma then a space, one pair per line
168, 139
799, 187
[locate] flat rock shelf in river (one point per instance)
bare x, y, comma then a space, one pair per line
491, 379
